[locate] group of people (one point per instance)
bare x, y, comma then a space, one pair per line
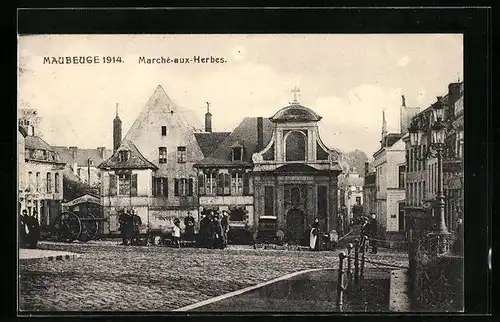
130, 224
29, 230
214, 230
189, 234
369, 229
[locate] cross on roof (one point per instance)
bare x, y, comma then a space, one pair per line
295, 90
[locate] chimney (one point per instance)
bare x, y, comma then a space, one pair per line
367, 168
208, 122
74, 152
260, 133
101, 151
117, 131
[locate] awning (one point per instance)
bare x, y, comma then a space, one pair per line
83, 199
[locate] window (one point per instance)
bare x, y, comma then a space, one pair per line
211, 183
56, 182
201, 184
269, 201
124, 155
124, 184
38, 182
160, 186
402, 170
424, 192
112, 185
236, 183
295, 145
30, 180
162, 154
223, 185
181, 154
358, 201
183, 187
163, 130
49, 182
237, 153
79, 172
237, 214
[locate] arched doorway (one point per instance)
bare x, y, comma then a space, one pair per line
295, 225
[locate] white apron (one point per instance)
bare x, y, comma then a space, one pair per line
312, 238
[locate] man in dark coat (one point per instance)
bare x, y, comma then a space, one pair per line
225, 228
219, 239
32, 229
136, 227
125, 222
189, 227
373, 234
204, 222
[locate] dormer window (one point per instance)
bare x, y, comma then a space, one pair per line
124, 155
163, 130
237, 151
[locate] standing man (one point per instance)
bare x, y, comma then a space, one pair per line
189, 224
123, 220
225, 228
136, 226
373, 234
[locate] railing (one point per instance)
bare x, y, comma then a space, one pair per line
356, 275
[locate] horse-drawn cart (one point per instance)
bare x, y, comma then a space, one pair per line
69, 226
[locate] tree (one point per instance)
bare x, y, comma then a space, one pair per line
356, 159
74, 188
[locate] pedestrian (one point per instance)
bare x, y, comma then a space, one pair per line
189, 227
373, 234
32, 230
203, 230
136, 227
177, 233
219, 238
123, 221
211, 231
225, 228
314, 236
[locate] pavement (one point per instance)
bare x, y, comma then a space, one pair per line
312, 290
110, 277
27, 255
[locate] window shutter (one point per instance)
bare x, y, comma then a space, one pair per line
133, 185
165, 187
191, 187
227, 183
201, 184
176, 187
220, 184
246, 188
112, 185
153, 186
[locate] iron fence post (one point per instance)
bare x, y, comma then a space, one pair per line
349, 260
362, 273
356, 260
340, 287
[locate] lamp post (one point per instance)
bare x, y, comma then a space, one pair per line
416, 132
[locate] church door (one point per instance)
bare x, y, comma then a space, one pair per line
295, 225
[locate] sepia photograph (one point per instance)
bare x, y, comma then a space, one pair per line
240, 173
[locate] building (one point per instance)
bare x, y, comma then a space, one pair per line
275, 166
369, 192
151, 170
21, 166
422, 168
84, 163
44, 171
390, 171
351, 194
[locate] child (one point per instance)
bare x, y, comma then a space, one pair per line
177, 233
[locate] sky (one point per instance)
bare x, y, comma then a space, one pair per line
348, 79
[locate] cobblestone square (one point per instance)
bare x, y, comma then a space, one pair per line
110, 277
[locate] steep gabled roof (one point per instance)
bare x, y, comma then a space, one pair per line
37, 143
246, 134
136, 159
161, 103
82, 156
209, 141
391, 138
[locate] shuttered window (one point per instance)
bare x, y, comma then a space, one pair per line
201, 184
246, 184
191, 187
269, 201
133, 185
112, 185
160, 187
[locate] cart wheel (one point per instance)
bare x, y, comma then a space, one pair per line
67, 227
89, 229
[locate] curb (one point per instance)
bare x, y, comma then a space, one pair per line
49, 258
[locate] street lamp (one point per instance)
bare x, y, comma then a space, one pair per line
416, 132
